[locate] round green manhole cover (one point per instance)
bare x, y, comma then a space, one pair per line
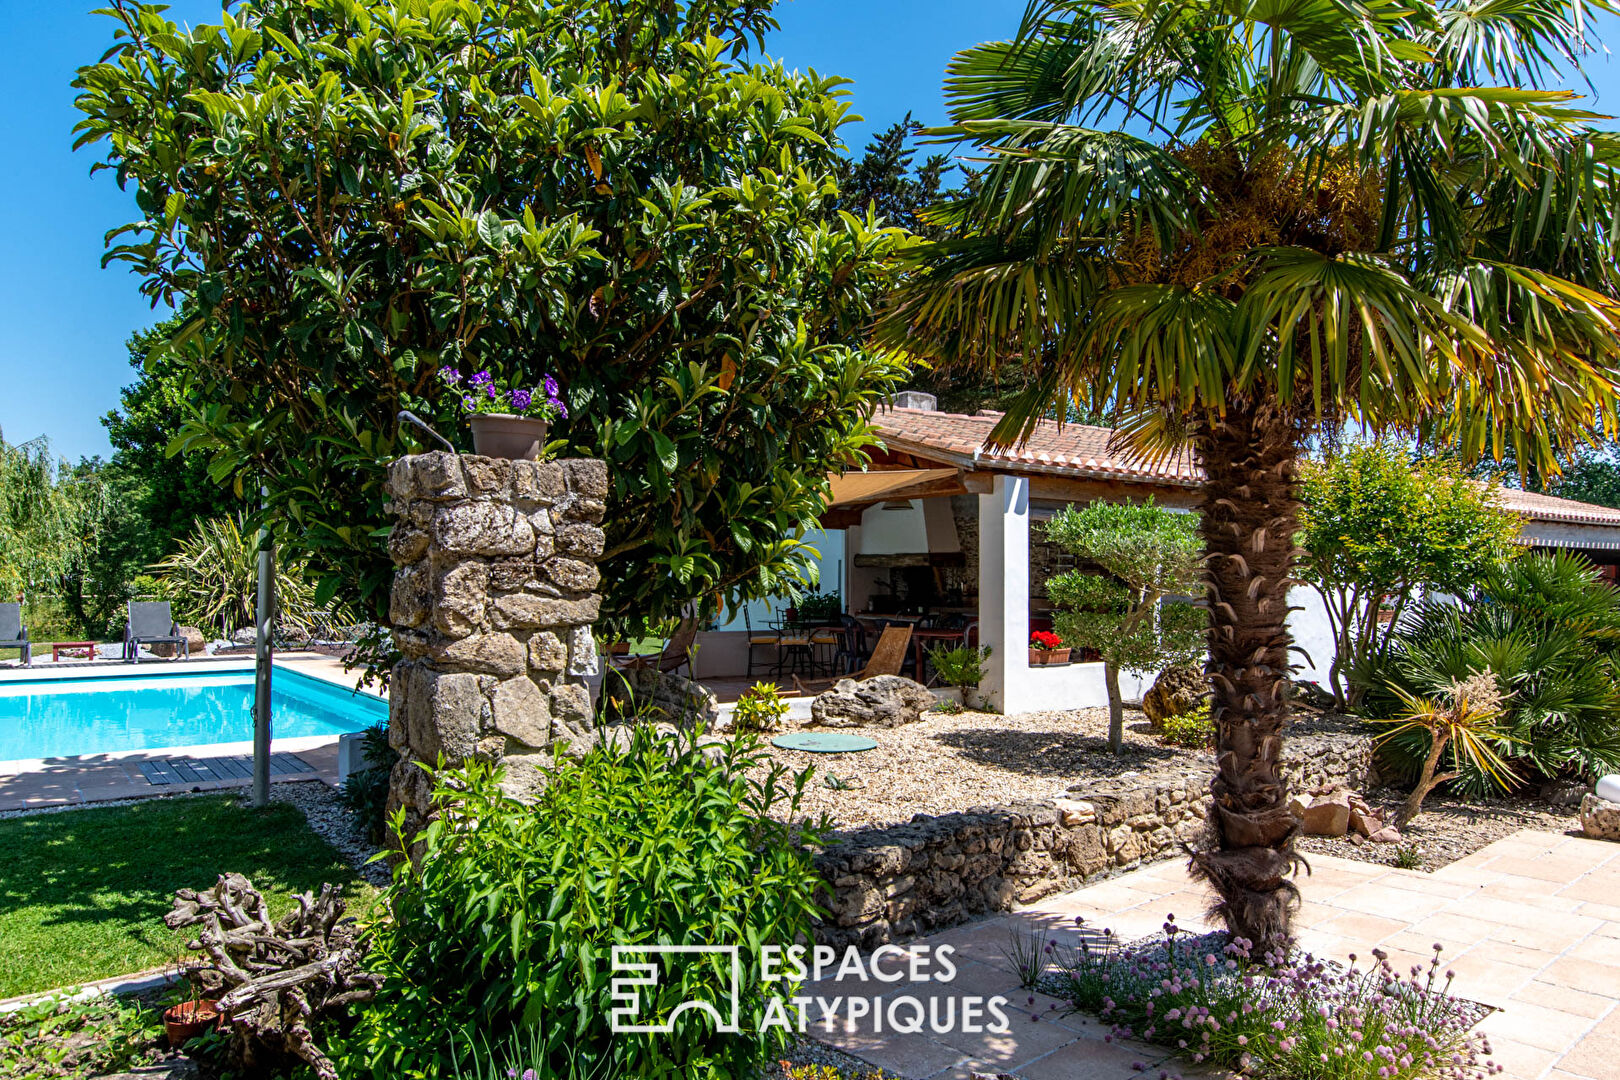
823, 742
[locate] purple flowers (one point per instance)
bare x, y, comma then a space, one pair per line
484, 393
1282, 1015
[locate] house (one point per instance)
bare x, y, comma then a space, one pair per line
940, 524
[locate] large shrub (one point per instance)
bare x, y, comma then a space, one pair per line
505, 924
1548, 629
348, 196
1378, 525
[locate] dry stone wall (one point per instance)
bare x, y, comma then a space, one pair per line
494, 595
884, 885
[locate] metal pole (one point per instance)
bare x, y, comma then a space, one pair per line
263, 652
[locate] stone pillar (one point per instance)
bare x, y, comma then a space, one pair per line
494, 595
1004, 590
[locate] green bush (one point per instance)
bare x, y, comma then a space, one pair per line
760, 708
505, 925
1192, 729
961, 666
1548, 628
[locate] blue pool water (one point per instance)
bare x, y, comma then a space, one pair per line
43, 718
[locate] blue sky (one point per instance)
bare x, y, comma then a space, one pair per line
63, 320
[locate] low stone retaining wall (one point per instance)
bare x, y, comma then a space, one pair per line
890, 884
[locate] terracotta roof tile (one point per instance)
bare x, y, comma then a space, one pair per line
1076, 450
1084, 451
1540, 507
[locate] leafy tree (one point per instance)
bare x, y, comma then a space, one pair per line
110, 544
1377, 525
885, 179
347, 197
1129, 613
1325, 212
171, 492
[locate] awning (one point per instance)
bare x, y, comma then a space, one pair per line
862, 488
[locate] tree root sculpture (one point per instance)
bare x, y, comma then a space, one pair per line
280, 980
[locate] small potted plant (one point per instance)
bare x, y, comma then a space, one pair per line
507, 422
1047, 648
192, 1015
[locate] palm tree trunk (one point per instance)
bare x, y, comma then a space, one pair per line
1250, 516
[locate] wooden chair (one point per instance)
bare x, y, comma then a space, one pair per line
677, 651
887, 658
771, 641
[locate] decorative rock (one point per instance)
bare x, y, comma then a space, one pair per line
1600, 819
1073, 812
1177, 690
665, 696
883, 701
1389, 834
196, 644
1563, 792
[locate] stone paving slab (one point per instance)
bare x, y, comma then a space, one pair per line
1530, 925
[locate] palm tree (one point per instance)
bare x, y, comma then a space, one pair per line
1319, 213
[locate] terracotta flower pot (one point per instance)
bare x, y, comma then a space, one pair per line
499, 435
187, 1020
1045, 657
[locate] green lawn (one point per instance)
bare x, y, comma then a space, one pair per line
83, 893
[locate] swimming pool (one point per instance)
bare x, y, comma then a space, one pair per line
45, 718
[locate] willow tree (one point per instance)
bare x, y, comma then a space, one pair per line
1319, 213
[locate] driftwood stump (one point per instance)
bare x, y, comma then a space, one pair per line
281, 979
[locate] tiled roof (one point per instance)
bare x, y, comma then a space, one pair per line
1538, 507
1076, 450
1083, 451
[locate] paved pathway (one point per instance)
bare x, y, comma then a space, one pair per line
1530, 924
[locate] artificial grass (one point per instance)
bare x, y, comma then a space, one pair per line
83, 892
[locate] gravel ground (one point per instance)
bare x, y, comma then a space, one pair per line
1448, 828
948, 763
334, 823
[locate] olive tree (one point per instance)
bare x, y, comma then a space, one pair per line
347, 196
1376, 525
1133, 612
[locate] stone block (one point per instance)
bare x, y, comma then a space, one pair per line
443, 715
482, 528
526, 610
539, 481
576, 538
460, 599
582, 658
487, 475
547, 653
410, 601
511, 575
436, 476
587, 476
492, 654
1600, 819
406, 544
575, 575
522, 711
591, 511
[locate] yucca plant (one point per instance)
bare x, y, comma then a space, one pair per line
1465, 722
213, 580
1321, 213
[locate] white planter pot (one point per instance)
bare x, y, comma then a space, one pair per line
1608, 788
